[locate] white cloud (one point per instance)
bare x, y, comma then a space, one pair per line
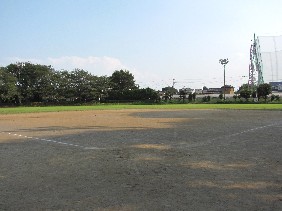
95, 65
106, 66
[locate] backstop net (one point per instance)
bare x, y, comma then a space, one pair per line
271, 55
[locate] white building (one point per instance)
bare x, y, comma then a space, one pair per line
198, 91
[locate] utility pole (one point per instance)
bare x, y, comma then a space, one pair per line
173, 83
224, 63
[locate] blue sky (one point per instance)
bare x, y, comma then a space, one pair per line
156, 40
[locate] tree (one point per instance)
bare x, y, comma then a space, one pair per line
272, 98
168, 92
168, 95
102, 85
82, 82
235, 97
33, 80
144, 94
247, 87
254, 94
264, 90
64, 86
150, 94
57, 90
75, 86
244, 91
194, 96
8, 89
190, 97
169, 89
26, 82
206, 98
122, 80
182, 94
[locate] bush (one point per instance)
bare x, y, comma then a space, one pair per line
206, 99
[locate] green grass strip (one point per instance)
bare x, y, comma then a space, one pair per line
17, 110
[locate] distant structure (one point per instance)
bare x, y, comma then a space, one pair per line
228, 89
271, 53
276, 86
187, 90
212, 90
198, 91
255, 66
265, 61
169, 89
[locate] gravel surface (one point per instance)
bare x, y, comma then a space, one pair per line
141, 160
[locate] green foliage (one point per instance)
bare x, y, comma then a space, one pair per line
8, 88
264, 90
206, 99
182, 94
274, 98
194, 96
169, 89
29, 83
146, 94
20, 109
254, 94
235, 97
245, 93
122, 80
122, 86
33, 81
247, 87
190, 97
169, 92
220, 96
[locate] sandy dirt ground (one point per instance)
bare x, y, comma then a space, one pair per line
141, 160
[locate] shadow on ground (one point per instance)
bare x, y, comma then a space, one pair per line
150, 169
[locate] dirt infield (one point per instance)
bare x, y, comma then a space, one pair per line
141, 160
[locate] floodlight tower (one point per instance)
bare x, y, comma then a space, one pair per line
255, 66
224, 63
173, 83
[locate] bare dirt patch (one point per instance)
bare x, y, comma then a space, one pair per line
141, 160
60, 123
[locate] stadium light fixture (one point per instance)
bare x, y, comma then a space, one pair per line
224, 63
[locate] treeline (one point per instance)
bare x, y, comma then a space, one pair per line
26, 83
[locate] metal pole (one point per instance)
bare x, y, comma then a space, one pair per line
224, 83
223, 62
276, 58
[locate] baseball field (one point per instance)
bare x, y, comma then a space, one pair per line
141, 158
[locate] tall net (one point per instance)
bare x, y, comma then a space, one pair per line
271, 55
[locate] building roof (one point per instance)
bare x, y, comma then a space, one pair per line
228, 86
275, 83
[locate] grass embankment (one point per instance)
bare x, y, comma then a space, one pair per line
17, 110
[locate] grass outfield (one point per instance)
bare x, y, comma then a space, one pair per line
16, 110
